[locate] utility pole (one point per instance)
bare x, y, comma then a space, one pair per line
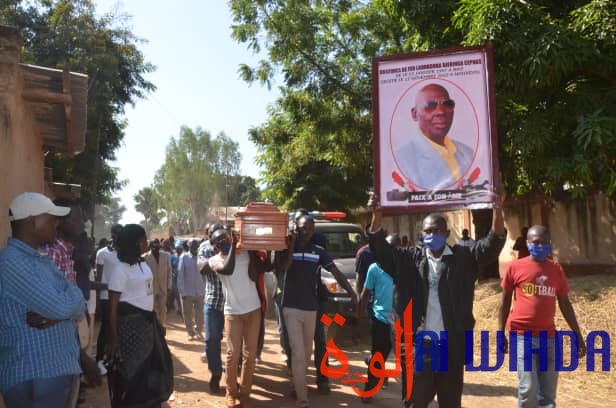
226, 194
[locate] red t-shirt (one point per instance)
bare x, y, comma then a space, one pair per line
536, 286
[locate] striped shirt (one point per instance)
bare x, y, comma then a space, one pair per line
31, 282
61, 254
303, 276
214, 294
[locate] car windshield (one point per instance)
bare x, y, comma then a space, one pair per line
343, 244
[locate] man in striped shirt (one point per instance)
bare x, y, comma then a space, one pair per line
36, 366
214, 317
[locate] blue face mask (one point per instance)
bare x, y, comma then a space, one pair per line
434, 242
539, 251
225, 248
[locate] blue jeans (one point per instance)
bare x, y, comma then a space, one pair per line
41, 393
537, 387
214, 325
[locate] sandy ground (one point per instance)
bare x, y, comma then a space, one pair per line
482, 390
592, 298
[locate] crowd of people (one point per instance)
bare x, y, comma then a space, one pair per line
50, 278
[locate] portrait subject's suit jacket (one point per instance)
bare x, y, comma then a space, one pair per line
425, 167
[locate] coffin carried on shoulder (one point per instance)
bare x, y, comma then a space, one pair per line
261, 226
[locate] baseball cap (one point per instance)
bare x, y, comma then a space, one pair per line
32, 204
179, 243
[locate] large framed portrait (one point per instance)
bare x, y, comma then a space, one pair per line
435, 143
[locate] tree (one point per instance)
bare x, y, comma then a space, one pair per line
194, 168
242, 190
147, 202
556, 122
106, 215
68, 33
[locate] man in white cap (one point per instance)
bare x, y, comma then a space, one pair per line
37, 367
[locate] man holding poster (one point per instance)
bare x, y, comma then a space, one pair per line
433, 160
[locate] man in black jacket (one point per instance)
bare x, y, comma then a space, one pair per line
440, 279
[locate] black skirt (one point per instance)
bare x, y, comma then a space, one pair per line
142, 371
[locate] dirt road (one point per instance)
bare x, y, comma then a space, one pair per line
482, 390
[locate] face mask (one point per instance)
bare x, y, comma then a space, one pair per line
434, 242
225, 248
539, 251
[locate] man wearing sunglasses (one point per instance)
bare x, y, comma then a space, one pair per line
433, 160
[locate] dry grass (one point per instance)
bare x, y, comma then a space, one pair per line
594, 301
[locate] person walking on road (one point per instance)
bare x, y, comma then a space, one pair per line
440, 279
300, 299
191, 287
160, 265
539, 283
238, 272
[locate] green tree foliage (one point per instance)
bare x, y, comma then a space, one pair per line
554, 74
556, 90
194, 169
241, 190
147, 202
59, 33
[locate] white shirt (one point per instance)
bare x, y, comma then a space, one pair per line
241, 294
135, 283
108, 259
434, 316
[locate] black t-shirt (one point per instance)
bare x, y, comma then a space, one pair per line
303, 276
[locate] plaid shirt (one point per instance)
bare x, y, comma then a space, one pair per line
214, 295
31, 282
61, 254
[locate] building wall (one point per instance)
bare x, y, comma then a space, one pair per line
583, 232
21, 147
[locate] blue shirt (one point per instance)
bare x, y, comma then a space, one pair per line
174, 261
303, 276
31, 282
190, 281
382, 286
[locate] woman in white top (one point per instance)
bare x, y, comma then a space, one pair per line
141, 369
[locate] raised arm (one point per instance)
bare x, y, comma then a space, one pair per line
487, 249
384, 254
228, 266
498, 218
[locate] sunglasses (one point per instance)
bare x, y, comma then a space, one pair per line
447, 104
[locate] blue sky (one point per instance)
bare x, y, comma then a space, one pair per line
197, 63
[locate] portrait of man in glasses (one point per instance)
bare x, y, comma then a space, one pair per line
433, 159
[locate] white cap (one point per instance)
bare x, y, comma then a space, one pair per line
32, 204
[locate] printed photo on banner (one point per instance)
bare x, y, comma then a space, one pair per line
435, 141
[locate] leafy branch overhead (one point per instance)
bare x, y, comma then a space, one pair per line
554, 73
59, 33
